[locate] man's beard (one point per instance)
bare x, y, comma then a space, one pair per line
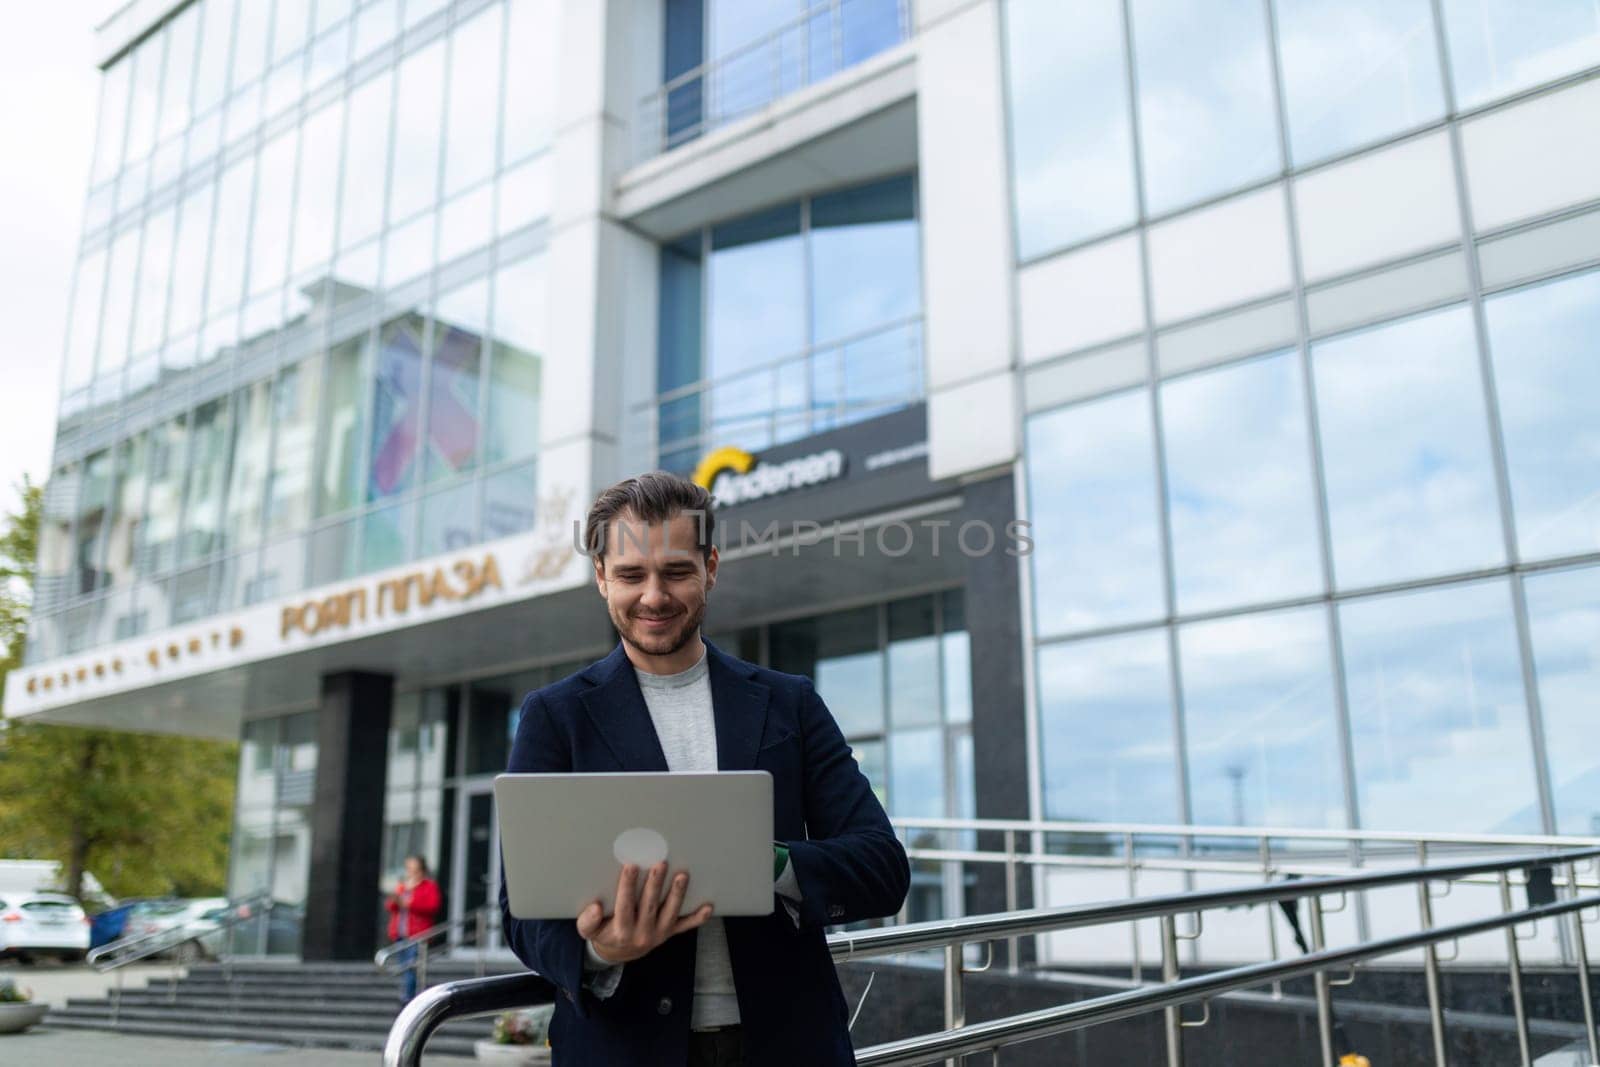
662, 644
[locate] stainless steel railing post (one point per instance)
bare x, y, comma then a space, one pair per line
1011, 896
955, 1004
1581, 948
1430, 962
1264, 848
1514, 965
1324, 993
1133, 894
1173, 1020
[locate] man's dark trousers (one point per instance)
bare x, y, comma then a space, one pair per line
846, 859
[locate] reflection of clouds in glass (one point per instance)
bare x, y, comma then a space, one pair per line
1106, 748
1091, 487
1406, 451
1500, 46
1544, 345
1239, 485
1355, 71
1564, 617
1259, 721
754, 308
1207, 121
1437, 715
1072, 139
916, 773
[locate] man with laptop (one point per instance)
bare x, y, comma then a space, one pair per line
649, 972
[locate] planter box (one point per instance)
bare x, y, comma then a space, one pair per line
15, 1018
511, 1055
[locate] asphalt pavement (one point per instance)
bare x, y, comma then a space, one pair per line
46, 1046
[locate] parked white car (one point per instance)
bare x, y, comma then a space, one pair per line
199, 916
42, 924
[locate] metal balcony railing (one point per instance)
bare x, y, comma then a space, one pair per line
1557, 869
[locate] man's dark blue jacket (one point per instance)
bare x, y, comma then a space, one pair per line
846, 858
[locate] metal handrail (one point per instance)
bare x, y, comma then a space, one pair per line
483, 918
412, 1028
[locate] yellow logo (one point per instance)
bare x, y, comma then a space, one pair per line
724, 458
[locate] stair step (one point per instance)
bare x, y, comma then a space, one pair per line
373, 1024
444, 1044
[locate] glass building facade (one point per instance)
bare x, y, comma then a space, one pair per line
1275, 320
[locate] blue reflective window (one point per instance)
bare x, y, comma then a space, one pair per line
1091, 489
1437, 715
1548, 378
1259, 727
1355, 71
1405, 448
1207, 119
1106, 744
1071, 124
863, 259
1239, 489
1564, 617
756, 278
1500, 46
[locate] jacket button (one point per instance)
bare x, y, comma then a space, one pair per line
664, 1006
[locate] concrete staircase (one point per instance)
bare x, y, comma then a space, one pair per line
328, 1005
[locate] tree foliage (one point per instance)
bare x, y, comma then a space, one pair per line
148, 814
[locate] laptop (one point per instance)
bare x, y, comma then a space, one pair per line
565, 837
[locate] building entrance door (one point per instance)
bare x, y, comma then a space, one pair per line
477, 863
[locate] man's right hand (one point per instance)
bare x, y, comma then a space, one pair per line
641, 920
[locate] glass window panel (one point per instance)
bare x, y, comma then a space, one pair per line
1564, 617
318, 189
1524, 160
127, 509
510, 501
342, 425
682, 283
294, 409
113, 126
331, 11
449, 520
83, 330
1091, 486
145, 99
211, 69
366, 156
880, 372
1543, 341
335, 552
461, 321
329, 55
176, 89
514, 369
530, 79
168, 459
1356, 72
189, 261
385, 536
355, 275
870, 758
741, 411
417, 11
118, 312
1071, 130
269, 249
291, 23
466, 223
474, 100
524, 195
408, 250
207, 482
247, 480
1106, 740
916, 773
1437, 715
1406, 451
376, 25
250, 41
956, 658
230, 244
1259, 721
204, 138
1500, 46
840, 652
155, 271
1239, 492
864, 259
756, 276
414, 183
913, 665
1205, 79
396, 397
94, 499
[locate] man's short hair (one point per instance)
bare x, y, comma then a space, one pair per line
651, 498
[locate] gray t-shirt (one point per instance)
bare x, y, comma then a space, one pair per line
680, 708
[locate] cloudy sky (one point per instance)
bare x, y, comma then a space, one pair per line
48, 84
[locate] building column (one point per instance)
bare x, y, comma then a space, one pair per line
999, 701
342, 893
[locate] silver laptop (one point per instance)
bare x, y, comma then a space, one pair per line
565, 837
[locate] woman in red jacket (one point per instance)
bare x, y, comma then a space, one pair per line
413, 908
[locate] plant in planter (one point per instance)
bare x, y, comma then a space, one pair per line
520, 1037
17, 1008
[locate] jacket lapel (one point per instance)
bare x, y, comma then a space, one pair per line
616, 707
739, 703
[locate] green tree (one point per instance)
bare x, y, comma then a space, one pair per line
148, 814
